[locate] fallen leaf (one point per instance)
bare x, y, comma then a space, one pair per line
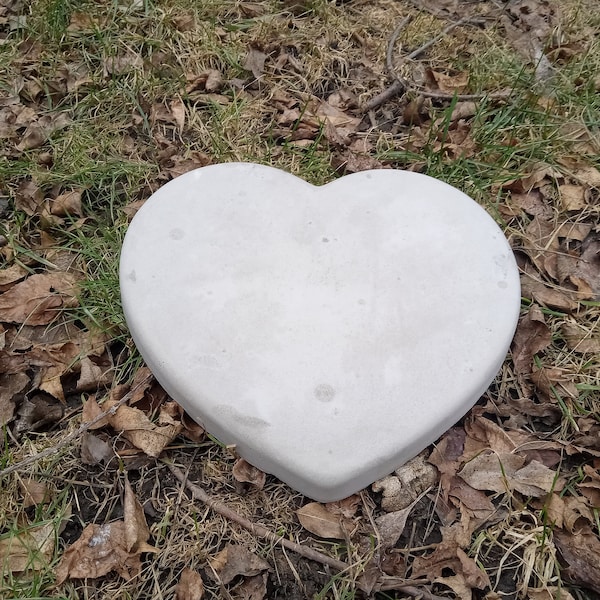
39, 131
91, 410
92, 375
581, 553
450, 84
532, 336
474, 502
236, 560
136, 427
542, 245
549, 593
536, 290
136, 528
244, 472
483, 435
458, 585
552, 380
29, 198
178, 110
391, 525
114, 546
10, 386
67, 204
252, 588
448, 555
190, 585
33, 492
318, 520
210, 81
583, 270
191, 429
30, 549
94, 450
507, 472
11, 275
574, 231
572, 197
255, 62
584, 173
579, 339
39, 299
99, 550
122, 63
37, 412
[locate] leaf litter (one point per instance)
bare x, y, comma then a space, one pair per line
521, 467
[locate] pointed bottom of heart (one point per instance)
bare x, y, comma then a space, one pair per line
331, 333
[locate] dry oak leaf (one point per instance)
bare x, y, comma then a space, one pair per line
579, 339
572, 197
236, 560
450, 84
484, 434
391, 525
33, 492
507, 472
99, 550
252, 588
141, 432
95, 450
32, 549
590, 486
122, 63
137, 532
542, 245
114, 546
190, 585
11, 275
40, 130
39, 299
552, 380
581, 553
10, 386
29, 198
244, 472
255, 62
570, 513
536, 290
448, 555
317, 519
67, 204
532, 336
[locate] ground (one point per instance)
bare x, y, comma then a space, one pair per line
101, 104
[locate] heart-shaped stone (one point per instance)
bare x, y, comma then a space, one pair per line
331, 333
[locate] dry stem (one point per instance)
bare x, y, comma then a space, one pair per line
385, 583
401, 84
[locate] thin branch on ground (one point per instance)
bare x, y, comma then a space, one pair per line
401, 85
77, 433
386, 583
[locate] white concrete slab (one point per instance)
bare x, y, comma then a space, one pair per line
330, 332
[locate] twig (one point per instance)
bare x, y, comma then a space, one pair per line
79, 431
388, 583
199, 494
401, 84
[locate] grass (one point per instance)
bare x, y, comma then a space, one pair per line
113, 69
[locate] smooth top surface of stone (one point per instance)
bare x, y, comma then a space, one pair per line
330, 332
